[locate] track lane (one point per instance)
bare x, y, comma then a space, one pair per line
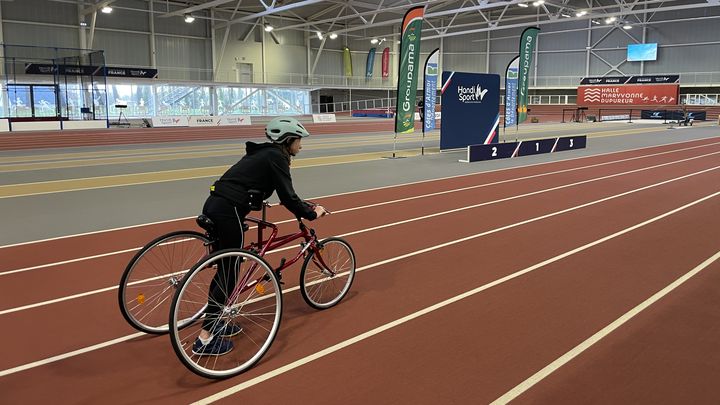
475, 349
60, 249
104, 272
283, 327
666, 355
502, 201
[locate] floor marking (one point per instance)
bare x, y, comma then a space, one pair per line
398, 185
329, 350
577, 350
426, 310
73, 353
4, 273
136, 179
127, 158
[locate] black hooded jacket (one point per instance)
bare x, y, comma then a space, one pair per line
265, 167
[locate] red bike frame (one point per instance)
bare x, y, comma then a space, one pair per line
262, 246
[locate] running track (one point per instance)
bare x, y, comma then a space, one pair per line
550, 283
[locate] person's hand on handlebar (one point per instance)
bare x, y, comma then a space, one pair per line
320, 211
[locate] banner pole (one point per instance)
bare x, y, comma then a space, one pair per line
394, 142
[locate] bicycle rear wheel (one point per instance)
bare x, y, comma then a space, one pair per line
327, 273
247, 295
150, 279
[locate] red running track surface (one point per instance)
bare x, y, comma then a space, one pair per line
467, 287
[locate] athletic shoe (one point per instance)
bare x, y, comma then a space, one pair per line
217, 347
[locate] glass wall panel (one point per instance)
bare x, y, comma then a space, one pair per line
138, 98
183, 100
44, 101
19, 104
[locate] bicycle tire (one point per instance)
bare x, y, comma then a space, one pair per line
148, 312
320, 289
257, 309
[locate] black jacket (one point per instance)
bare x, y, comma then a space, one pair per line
265, 167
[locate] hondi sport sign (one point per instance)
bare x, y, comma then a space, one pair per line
629, 94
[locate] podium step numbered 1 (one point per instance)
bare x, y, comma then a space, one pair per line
494, 151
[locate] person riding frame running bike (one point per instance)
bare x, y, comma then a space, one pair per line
264, 168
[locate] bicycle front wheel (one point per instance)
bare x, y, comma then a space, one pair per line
327, 273
150, 279
238, 292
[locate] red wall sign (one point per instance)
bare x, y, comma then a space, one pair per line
628, 94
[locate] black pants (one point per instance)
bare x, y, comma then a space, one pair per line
229, 232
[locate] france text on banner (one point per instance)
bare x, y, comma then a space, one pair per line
527, 47
408, 71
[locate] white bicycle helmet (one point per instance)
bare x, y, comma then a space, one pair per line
281, 128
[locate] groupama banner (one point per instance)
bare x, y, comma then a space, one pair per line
527, 48
408, 76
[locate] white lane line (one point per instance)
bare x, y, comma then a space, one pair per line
329, 350
577, 350
79, 259
63, 356
415, 198
408, 184
407, 255
80, 295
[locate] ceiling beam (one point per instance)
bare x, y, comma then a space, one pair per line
198, 7
272, 11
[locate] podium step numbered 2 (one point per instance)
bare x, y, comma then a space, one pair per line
506, 150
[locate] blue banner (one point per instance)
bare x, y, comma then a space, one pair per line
470, 109
370, 63
430, 90
511, 86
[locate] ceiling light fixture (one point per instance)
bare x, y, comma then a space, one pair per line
627, 27
333, 35
374, 41
580, 13
318, 34
523, 5
106, 10
189, 18
610, 20
269, 28
595, 22
565, 15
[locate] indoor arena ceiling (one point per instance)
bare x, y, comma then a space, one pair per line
442, 17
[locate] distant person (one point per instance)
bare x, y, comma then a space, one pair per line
421, 110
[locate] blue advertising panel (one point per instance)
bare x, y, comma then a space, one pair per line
470, 109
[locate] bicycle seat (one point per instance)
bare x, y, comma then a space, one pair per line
205, 223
